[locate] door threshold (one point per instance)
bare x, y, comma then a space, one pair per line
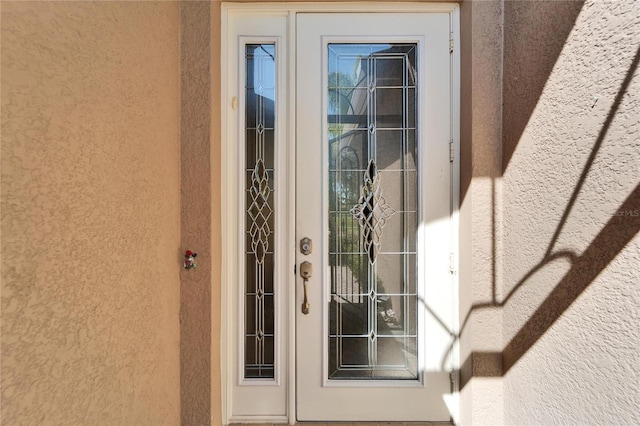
350, 424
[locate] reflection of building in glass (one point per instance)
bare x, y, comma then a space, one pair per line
373, 211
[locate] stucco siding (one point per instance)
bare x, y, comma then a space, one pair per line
196, 313
480, 153
571, 205
90, 213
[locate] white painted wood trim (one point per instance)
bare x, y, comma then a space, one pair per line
225, 322
291, 167
234, 38
328, 7
454, 404
258, 419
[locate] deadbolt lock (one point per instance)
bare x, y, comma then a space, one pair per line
306, 246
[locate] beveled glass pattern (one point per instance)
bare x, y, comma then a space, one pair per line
371, 212
259, 330
373, 219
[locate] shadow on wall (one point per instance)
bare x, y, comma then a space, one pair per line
584, 268
537, 33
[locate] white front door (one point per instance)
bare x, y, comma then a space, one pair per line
374, 196
338, 135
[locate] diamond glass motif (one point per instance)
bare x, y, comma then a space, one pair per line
372, 212
259, 211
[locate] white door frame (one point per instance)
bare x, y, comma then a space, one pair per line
287, 245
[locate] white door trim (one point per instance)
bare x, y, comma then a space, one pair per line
229, 196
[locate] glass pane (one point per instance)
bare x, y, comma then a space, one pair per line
259, 211
373, 217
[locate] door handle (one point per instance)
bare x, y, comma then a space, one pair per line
306, 271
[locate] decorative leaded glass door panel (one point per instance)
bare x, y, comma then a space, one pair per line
372, 194
373, 183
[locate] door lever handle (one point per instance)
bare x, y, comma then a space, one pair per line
306, 271
305, 303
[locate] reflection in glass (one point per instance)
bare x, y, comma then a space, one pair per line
372, 211
259, 207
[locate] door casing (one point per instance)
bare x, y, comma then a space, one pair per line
284, 32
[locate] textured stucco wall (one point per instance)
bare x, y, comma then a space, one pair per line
571, 205
196, 127
90, 213
480, 140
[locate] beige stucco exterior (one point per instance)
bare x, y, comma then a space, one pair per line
570, 216
111, 169
90, 213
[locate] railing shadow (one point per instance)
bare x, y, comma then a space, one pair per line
530, 53
584, 268
611, 239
